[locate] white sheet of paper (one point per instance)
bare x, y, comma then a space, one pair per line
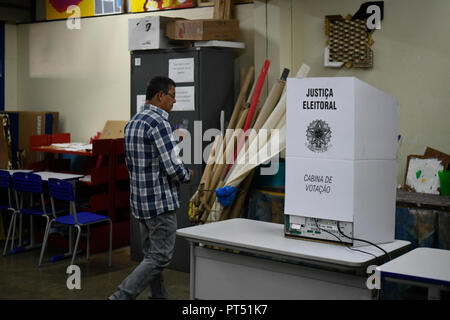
423, 175
181, 70
140, 102
185, 97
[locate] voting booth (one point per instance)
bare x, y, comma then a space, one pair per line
341, 148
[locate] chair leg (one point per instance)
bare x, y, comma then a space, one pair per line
20, 231
76, 243
14, 230
11, 225
88, 241
44, 243
70, 239
110, 244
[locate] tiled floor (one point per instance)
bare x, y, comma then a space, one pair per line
20, 278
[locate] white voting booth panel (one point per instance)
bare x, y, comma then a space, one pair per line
341, 145
361, 192
358, 120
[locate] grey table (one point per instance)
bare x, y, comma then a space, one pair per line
45, 175
12, 171
253, 260
425, 267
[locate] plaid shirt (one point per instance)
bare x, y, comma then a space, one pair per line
156, 170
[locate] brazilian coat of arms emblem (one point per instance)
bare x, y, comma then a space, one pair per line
318, 135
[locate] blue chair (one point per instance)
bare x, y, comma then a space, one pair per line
28, 185
63, 190
8, 205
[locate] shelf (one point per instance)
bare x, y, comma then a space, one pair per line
49, 149
107, 180
423, 200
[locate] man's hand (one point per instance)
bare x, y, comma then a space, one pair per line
192, 174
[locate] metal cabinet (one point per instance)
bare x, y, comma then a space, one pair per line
213, 73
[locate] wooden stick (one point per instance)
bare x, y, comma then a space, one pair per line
257, 112
207, 212
254, 103
219, 9
251, 94
237, 112
199, 194
242, 195
210, 162
228, 152
222, 145
205, 195
269, 105
226, 213
228, 9
241, 98
228, 156
271, 122
213, 194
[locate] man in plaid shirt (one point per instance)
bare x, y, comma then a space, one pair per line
156, 170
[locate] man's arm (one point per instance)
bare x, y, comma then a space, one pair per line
168, 152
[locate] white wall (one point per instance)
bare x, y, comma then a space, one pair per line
411, 61
272, 32
85, 74
11, 63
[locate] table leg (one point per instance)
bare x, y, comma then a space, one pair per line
20, 230
192, 272
32, 232
70, 240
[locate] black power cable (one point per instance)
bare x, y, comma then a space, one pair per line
355, 239
342, 242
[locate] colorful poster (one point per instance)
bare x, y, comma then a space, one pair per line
152, 5
57, 9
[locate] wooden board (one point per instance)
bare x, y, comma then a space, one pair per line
433, 153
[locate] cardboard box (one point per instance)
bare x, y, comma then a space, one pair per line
362, 192
205, 29
114, 129
149, 33
340, 118
24, 124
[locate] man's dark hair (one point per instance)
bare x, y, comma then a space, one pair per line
158, 84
